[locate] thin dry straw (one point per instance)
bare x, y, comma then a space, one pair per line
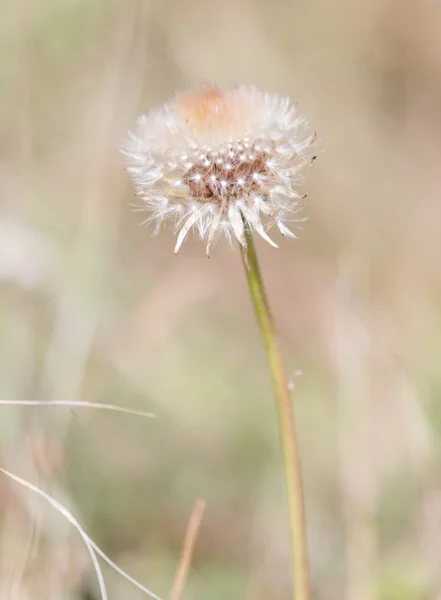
72, 520
191, 535
90, 545
79, 403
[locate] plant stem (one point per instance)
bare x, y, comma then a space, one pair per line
187, 549
293, 476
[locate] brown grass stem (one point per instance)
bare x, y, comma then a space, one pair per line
293, 477
191, 535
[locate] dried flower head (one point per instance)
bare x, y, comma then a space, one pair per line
217, 161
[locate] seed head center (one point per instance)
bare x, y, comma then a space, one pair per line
215, 179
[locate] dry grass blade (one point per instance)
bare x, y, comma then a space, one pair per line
91, 546
80, 404
191, 535
68, 515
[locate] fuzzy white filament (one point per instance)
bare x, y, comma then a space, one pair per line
90, 545
216, 160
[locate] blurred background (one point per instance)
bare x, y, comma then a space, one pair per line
93, 308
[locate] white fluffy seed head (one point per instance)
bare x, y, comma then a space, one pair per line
218, 161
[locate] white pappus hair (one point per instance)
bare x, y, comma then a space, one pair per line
219, 161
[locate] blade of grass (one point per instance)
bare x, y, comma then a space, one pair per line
78, 403
184, 563
90, 544
68, 515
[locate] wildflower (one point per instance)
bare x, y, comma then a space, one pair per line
218, 161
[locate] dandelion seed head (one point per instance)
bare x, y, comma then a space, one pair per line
214, 160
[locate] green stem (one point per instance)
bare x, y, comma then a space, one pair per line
293, 476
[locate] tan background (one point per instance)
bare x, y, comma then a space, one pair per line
93, 308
